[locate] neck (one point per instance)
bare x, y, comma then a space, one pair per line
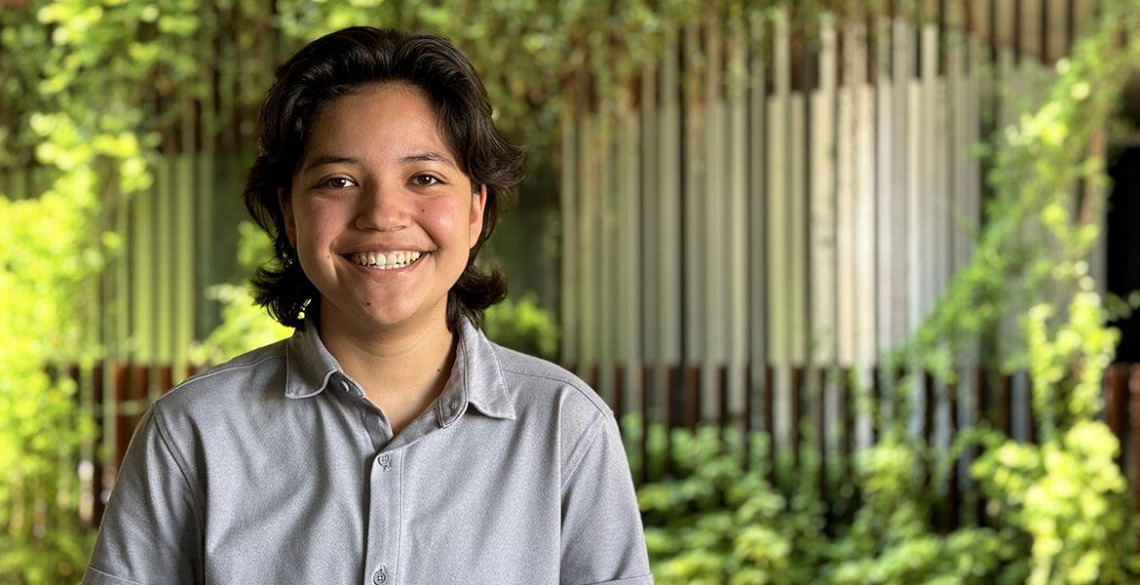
397, 366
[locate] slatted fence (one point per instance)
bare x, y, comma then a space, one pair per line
782, 197
679, 393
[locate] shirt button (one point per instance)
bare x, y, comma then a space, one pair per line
380, 577
384, 461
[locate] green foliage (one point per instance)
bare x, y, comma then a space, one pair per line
721, 521
1069, 496
245, 325
524, 326
718, 520
68, 109
44, 261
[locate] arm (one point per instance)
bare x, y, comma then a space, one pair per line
602, 537
151, 530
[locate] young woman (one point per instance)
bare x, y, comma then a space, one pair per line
387, 441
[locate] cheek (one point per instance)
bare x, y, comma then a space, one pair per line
441, 220
316, 222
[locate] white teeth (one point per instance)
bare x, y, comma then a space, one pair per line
381, 261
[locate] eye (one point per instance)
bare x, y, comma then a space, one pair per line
425, 180
337, 183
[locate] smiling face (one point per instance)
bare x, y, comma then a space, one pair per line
381, 216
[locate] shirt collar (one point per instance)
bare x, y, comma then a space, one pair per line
309, 366
476, 376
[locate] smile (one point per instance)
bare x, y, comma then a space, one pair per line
382, 261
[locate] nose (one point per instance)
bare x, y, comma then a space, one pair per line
382, 207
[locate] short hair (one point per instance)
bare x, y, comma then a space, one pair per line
338, 64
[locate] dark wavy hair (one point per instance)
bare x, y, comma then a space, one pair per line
338, 64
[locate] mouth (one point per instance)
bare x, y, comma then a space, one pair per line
385, 260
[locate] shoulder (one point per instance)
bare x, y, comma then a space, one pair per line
222, 388
535, 376
552, 397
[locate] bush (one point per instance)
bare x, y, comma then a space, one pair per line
524, 326
719, 520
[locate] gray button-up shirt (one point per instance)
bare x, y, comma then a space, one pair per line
274, 468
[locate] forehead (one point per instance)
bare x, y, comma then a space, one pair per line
388, 115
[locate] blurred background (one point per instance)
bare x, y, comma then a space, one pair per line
859, 278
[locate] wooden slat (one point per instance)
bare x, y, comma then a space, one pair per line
931, 166
587, 198
961, 222
1055, 25
618, 403
1116, 408
822, 244
695, 341
749, 408
778, 214
796, 287
888, 216
628, 253
768, 410
821, 421
1134, 419
757, 216
713, 234
691, 392
98, 452
736, 221
648, 264
863, 201
846, 425
603, 257
1032, 30
164, 253
571, 244
1005, 404
643, 441
1004, 23
846, 298
796, 409
669, 242
206, 236
182, 253
672, 382
864, 212
142, 249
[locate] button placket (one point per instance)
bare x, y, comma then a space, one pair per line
384, 519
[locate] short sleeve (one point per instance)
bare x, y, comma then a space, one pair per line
602, 536
150, 532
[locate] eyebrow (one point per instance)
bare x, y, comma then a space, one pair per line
329, 160
427, 156
332, 159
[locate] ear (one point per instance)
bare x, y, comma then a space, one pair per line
475, 225
286, 206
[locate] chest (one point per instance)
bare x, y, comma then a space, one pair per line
475, 502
